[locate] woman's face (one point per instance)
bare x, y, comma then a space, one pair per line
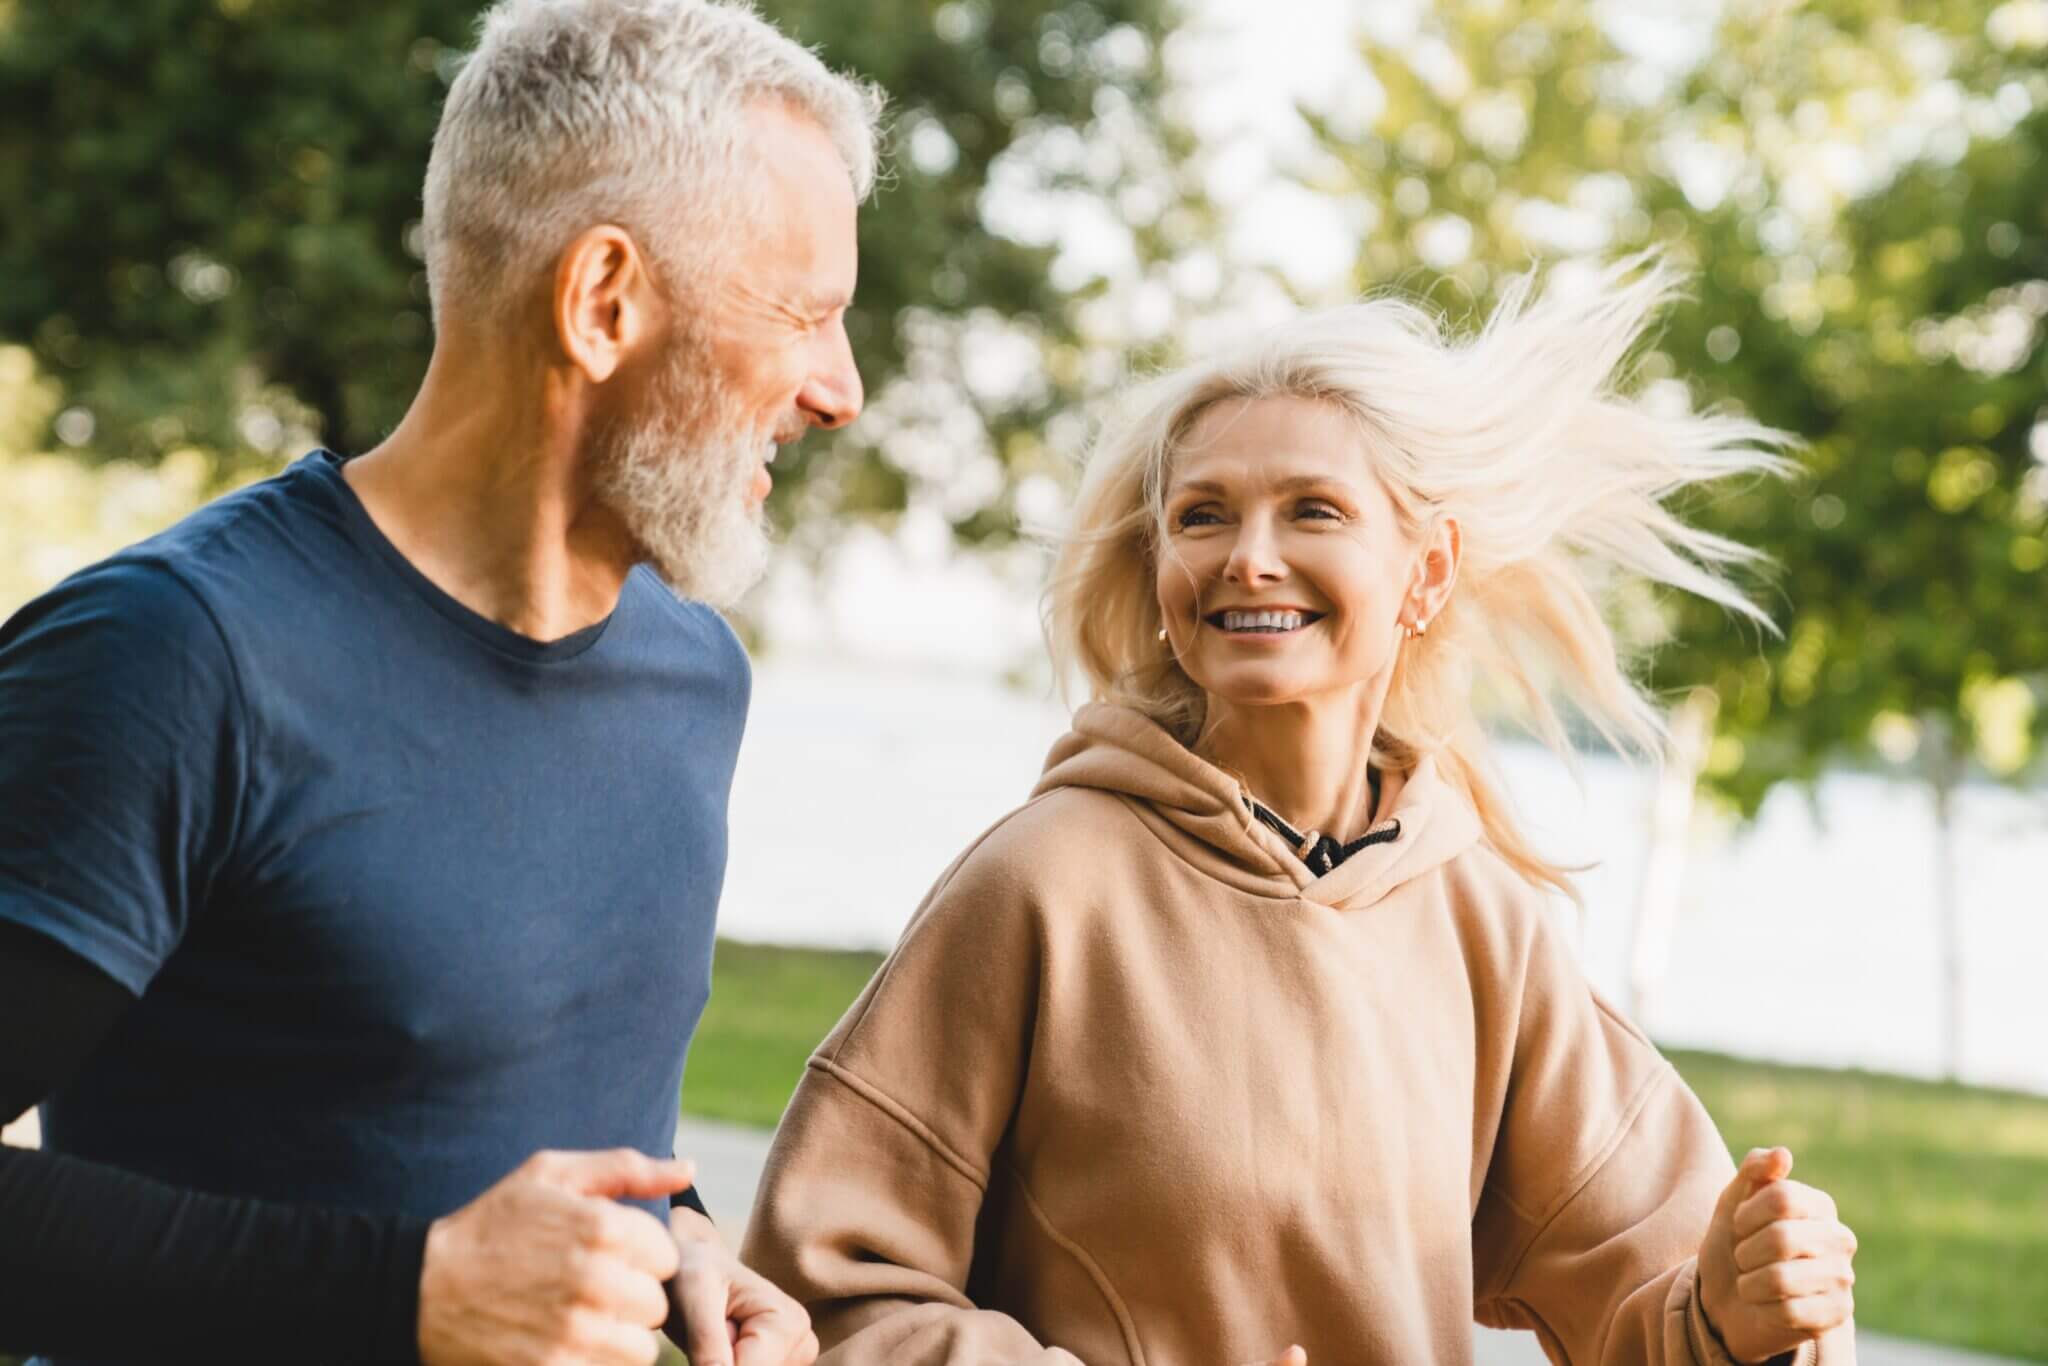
1286, 573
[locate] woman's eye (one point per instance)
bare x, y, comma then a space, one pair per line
1198, 517
1315, 507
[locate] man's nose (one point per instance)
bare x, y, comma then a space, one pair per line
833, 395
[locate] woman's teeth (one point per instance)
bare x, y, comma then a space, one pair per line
1264, 621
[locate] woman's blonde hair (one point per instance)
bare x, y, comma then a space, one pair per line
1522, 432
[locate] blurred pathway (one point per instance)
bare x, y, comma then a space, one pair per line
729, 1161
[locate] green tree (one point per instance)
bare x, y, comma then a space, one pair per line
1868, 277
213, 206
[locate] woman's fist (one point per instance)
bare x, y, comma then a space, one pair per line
1774, 1270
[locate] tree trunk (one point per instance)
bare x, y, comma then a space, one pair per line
1692, 727
1944, 774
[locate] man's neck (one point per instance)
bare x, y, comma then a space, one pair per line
484, 491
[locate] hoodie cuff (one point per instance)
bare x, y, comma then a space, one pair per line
1705, 1339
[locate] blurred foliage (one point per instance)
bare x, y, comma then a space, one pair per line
213, 205
62, 514
212, 202
1860, 189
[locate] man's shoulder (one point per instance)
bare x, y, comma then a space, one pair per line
178, 594
693, 631
242, 544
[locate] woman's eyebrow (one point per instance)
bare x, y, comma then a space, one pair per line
1294, 483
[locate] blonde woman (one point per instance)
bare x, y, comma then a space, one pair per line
1254, 1026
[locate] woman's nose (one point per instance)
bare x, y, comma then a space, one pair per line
1254, 557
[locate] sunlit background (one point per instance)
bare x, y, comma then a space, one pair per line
208, 264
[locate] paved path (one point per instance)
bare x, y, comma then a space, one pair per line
729, 1161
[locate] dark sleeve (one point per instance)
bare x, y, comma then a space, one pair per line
99, 1262
687, 1198
121, 769
122, 764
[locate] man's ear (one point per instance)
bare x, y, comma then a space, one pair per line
604, 300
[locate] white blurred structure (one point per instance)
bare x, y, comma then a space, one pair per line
1810, 937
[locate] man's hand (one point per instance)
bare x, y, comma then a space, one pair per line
733, 1316
1774, 1270
544, 1268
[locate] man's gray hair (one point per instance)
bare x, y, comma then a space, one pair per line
572, 113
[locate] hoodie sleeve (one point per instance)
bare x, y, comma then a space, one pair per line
868, 1207
1603, 1178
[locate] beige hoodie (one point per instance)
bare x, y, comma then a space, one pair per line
1137, 1087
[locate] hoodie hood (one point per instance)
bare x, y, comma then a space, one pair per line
1203, 814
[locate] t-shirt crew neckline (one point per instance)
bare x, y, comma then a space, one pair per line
495, 635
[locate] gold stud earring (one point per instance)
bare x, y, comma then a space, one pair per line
1421, 628
1162, 634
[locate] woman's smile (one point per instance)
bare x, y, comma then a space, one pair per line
1262, 624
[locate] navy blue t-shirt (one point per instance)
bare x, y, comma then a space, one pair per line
405, 895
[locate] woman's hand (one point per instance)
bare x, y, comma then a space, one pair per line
1774, 1270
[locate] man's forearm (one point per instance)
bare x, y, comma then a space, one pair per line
99, 1262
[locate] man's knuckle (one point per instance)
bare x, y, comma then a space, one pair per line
587, 1223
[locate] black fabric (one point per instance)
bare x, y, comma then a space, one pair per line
55, 1008
74, 1233
1324, 853
98, 1262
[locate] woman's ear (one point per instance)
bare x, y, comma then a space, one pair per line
604, 300
1437, 571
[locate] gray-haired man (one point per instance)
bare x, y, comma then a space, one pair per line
360, 837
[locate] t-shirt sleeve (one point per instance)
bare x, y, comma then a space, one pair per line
121, 764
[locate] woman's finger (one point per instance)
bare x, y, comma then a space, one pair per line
1781, 1200
1789, 1240
1816, 1314
1795, 1280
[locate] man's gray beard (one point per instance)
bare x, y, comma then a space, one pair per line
681, 483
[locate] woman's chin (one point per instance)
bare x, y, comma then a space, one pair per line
1251, 687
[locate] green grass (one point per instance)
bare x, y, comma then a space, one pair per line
769, 1008
1946, 1186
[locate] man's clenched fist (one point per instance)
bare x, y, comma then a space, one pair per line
545, 1268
